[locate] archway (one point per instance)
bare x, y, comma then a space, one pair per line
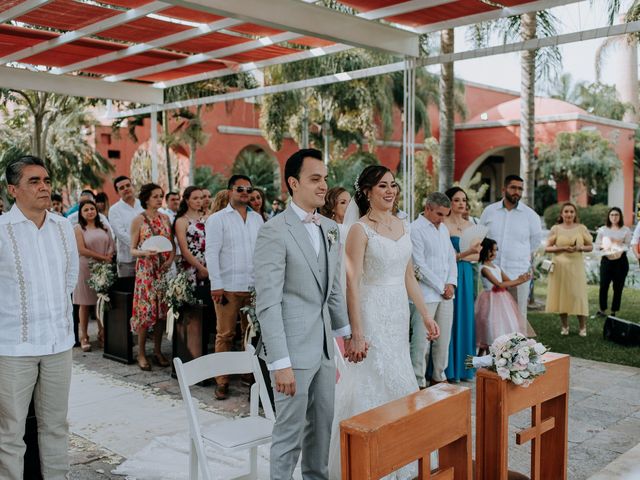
494, 165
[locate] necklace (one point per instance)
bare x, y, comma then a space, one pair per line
387, 225
458, 225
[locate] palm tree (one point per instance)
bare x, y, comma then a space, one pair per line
535, 65
447, 119
55, 128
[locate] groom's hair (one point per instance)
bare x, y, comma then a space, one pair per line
294, 164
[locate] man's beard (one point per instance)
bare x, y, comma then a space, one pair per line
512, 199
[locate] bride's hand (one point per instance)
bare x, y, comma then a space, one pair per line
356, 348
433, 330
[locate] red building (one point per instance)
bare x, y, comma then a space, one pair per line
488, 141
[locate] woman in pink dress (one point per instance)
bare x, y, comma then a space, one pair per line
95, 244
149, 304
496, 312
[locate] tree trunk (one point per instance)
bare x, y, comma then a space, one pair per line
447, 153
192, 162
326, 135
527, 109
165, 125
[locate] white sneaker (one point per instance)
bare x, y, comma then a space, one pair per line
565, 331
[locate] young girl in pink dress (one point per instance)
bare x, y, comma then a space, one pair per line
496, 312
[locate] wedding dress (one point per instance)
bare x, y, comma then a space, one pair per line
386, 374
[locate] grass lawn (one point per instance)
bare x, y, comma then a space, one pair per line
594, 346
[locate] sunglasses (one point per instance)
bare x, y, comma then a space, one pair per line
243, 189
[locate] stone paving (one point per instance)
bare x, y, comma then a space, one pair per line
604, 415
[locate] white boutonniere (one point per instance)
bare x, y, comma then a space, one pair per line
332, 236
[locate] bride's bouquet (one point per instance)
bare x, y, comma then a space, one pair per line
250, 312
180, 291
513, 357
102, 276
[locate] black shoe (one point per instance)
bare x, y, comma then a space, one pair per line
222, 392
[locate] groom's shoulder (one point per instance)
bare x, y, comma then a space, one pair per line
274, 224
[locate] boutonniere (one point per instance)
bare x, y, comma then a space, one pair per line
332, 236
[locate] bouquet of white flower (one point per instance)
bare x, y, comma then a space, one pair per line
513, 357
179, 291
250, 312
102, 277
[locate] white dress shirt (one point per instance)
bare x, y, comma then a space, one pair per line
518, 233
622, 236
434, 255
38, 272
121, 214
312, 229
230, 242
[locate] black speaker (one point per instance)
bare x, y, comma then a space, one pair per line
621, 331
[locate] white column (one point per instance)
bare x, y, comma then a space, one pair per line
154, 145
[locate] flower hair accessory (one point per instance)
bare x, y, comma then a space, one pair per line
356, 186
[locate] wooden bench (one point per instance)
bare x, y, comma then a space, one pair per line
547, 397
381, 440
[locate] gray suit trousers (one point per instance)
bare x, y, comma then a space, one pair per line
311, 408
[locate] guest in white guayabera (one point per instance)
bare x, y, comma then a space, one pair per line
231, 238
434, 259
518, 231
38, 271
121, 214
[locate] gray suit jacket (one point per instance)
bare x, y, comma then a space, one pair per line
295, 310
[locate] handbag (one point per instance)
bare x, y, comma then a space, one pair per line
547, 265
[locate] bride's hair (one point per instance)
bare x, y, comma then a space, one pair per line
368, 179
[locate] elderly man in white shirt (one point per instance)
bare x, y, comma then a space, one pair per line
38, 271
518, 231
434, 259
231, 238
121, 214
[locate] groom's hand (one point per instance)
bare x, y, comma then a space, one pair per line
285, 381
356, 349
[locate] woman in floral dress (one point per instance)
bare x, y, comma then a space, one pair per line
189, 230
149, 304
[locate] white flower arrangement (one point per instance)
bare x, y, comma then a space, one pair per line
180, 291
102, 277
418, 273
250, 312
332, 236
513, 357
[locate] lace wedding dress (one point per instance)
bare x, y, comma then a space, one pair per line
387, 373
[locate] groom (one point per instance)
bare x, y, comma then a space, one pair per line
300, 307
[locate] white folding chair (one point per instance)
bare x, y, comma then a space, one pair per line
233, 434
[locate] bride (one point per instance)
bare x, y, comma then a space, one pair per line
379, 276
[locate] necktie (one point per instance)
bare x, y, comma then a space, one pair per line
312, 217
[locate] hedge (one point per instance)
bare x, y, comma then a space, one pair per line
593, 216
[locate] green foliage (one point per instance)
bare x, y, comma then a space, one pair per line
214, 182
55, 128
475, 191
593, 216
545, 196
263, 170
343, 172
579, 156
601, 100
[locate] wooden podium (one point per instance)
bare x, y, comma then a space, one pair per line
547, 396
383, 439
118, 339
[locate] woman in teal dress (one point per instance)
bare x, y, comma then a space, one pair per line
463, 334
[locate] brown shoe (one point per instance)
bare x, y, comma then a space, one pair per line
222, 392
159, 360
247, 379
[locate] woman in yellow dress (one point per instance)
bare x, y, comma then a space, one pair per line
567, 289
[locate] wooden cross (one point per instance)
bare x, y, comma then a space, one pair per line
533, 434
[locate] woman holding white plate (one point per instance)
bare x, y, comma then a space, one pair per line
153, 256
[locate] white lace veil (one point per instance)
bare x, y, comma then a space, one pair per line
351, 216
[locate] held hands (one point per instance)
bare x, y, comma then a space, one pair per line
202, 273
433, 330
216, 295
449, 290
285, 381
356, 348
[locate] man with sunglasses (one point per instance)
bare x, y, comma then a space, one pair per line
231, 238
